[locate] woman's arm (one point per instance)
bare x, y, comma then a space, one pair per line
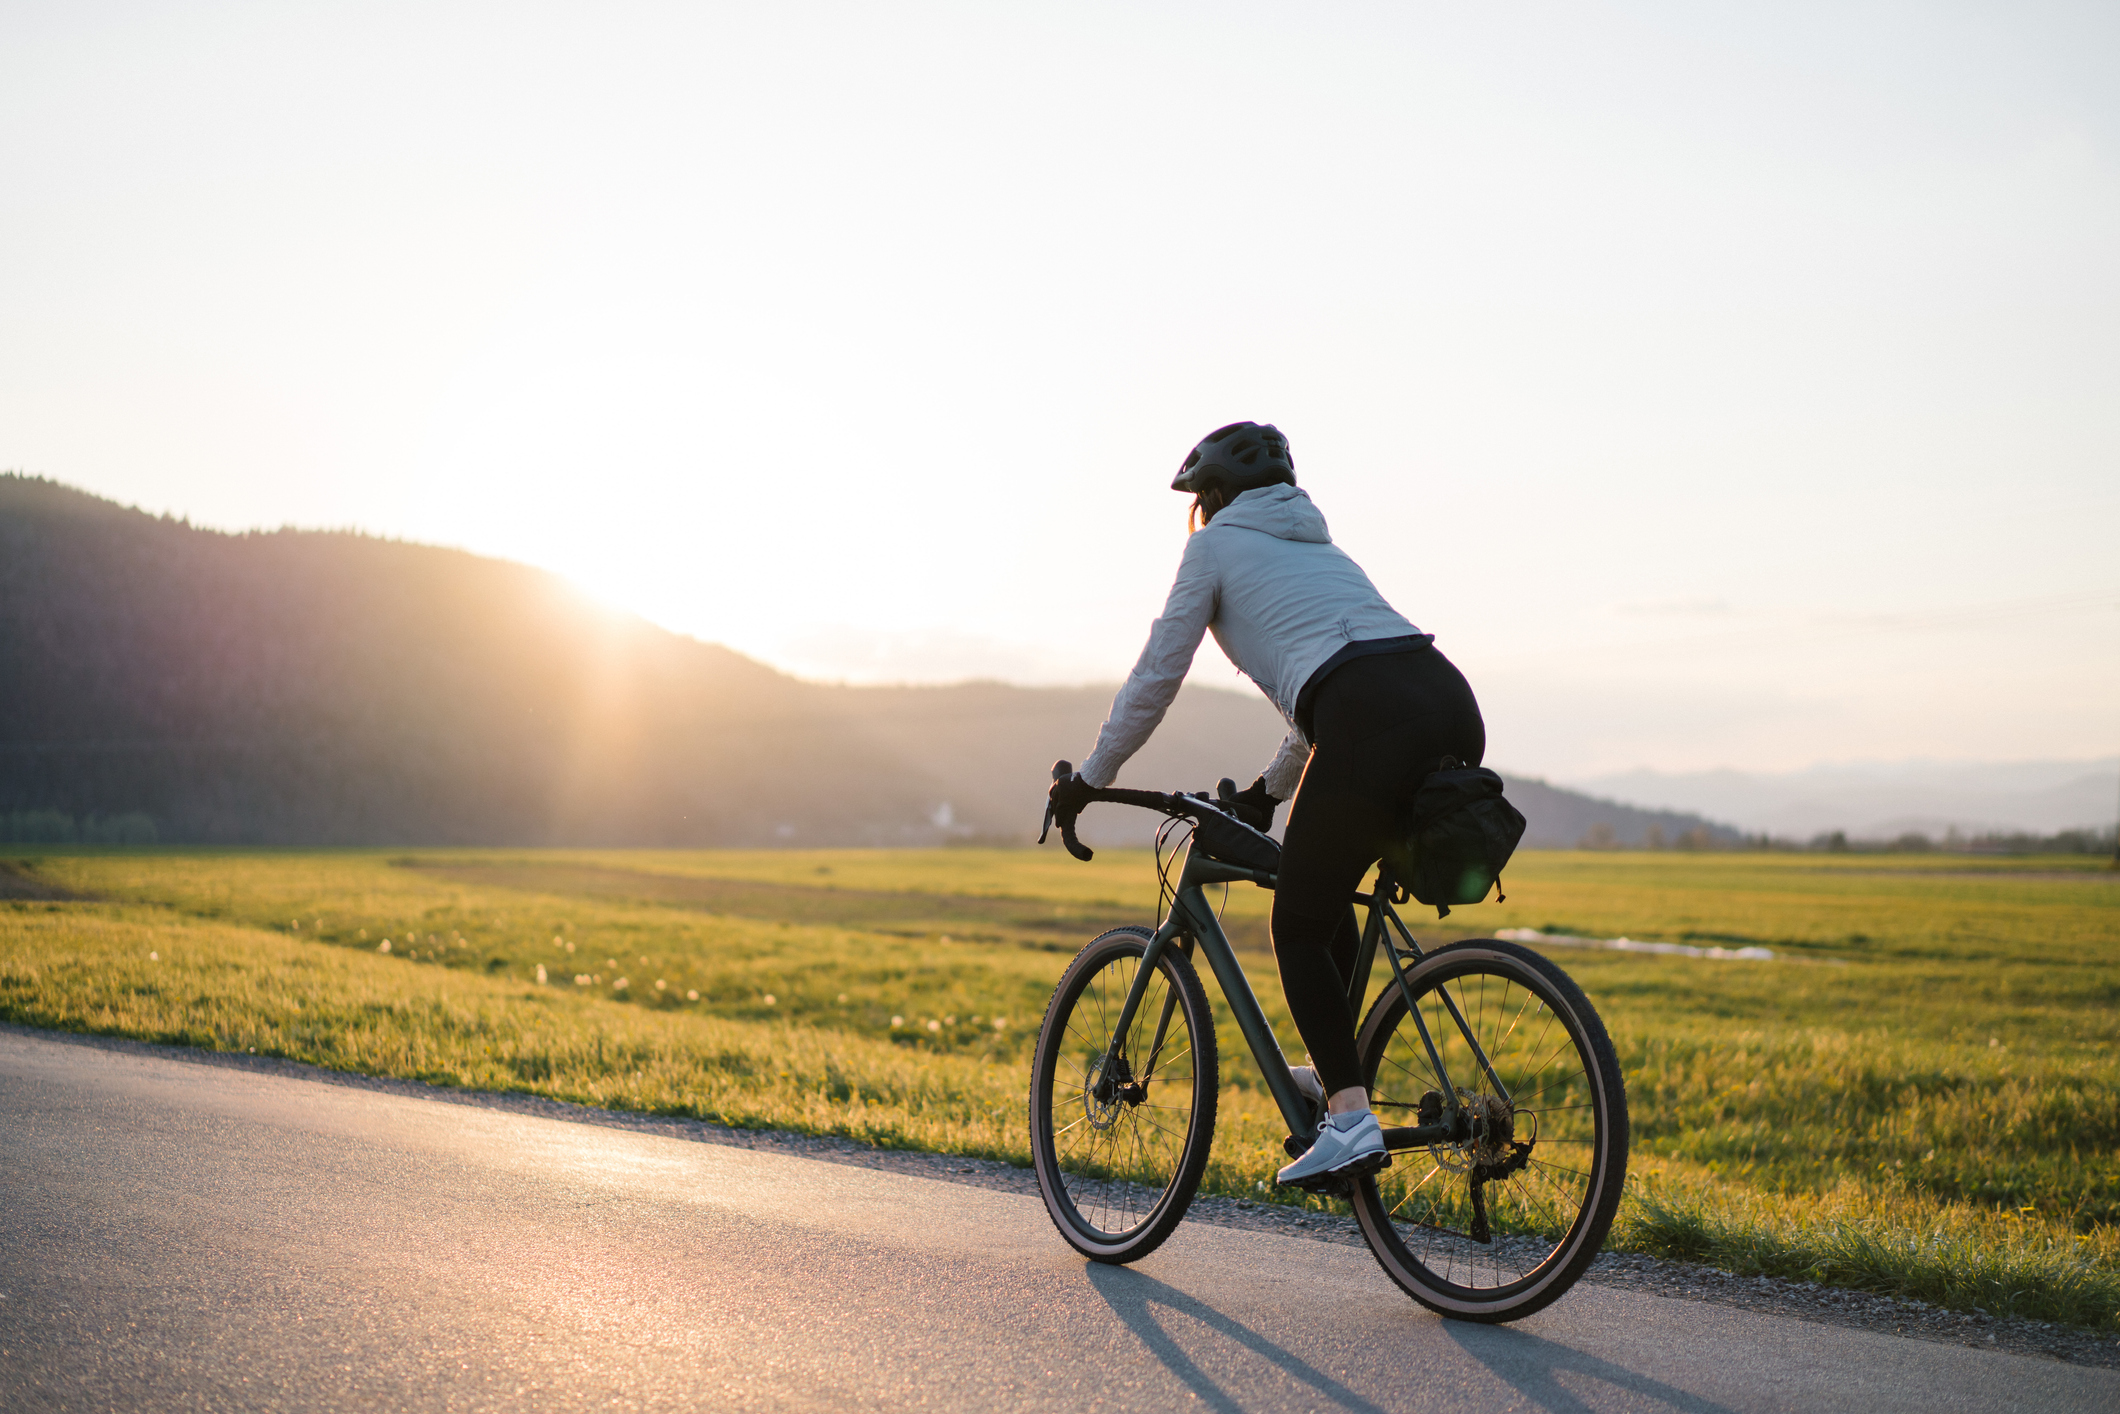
1285, 772
1157, 675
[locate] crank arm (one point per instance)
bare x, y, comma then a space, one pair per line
1418, 1136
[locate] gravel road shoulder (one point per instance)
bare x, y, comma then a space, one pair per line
1682, 1281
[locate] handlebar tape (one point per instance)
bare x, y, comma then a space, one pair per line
1075, 847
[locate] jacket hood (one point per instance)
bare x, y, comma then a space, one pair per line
1283, 512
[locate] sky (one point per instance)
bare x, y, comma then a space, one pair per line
1726, 386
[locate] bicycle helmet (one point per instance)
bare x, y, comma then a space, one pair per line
1238, 458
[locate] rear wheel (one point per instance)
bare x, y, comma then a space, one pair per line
1120, 1125
1502, 1220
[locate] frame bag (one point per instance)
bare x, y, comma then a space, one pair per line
1454, 837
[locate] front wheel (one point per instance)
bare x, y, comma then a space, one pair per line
1501, 1219
1120, 1125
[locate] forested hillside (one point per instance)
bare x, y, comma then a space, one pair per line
308, 687
318, 687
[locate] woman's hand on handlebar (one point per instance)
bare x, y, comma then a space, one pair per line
1070, 793
1063, 803
1255, 806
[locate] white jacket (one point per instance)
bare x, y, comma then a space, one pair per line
1280, 597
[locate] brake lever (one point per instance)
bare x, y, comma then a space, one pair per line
1061, 771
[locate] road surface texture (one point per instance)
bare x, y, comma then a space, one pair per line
180, 1236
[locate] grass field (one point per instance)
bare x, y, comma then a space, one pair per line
1920, 1094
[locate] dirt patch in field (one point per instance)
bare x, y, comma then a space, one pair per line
1037, 922
17, 881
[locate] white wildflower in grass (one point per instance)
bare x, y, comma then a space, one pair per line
154, 957
570, 947
541, 974
620, 985
1000, 1023
383, 946
296, 925
770, 1000
558, 941
842, 998
934, 1026
643, 962
692, 996
581, 979
660, 984
897, 1021
949, 1021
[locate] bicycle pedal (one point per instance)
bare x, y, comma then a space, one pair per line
1328, 1185
1364, 1167
1340, 1182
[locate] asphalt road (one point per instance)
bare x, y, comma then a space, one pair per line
184, 1236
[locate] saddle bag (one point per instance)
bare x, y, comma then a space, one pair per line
1454, 837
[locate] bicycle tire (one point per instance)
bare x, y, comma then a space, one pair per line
1477, 1231
1117, 1181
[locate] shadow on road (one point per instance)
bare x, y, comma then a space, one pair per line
1534, 1367
1133, 1297
1546, 1373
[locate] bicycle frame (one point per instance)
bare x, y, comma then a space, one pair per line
1192, 918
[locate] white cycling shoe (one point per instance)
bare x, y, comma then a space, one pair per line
1348, 1143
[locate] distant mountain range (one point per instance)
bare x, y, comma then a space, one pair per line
309, 687
1879, 800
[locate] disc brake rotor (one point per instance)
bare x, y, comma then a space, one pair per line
1107, 1084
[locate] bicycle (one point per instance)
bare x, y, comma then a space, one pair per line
1516, 1155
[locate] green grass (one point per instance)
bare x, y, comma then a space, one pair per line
1920, 1095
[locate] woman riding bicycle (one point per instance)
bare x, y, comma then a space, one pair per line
1373, 708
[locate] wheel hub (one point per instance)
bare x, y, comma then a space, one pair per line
1108, 1085
1489, 1126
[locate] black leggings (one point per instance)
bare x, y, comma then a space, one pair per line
1379, 726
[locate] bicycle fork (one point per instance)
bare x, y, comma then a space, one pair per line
1190, 917
1135, 994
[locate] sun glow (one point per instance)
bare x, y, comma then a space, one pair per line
872, 357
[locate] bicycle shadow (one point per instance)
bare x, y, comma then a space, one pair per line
1540, 1371
1534, 1366
1132, 1295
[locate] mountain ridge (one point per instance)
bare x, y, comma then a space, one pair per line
1884, 799
337, 688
